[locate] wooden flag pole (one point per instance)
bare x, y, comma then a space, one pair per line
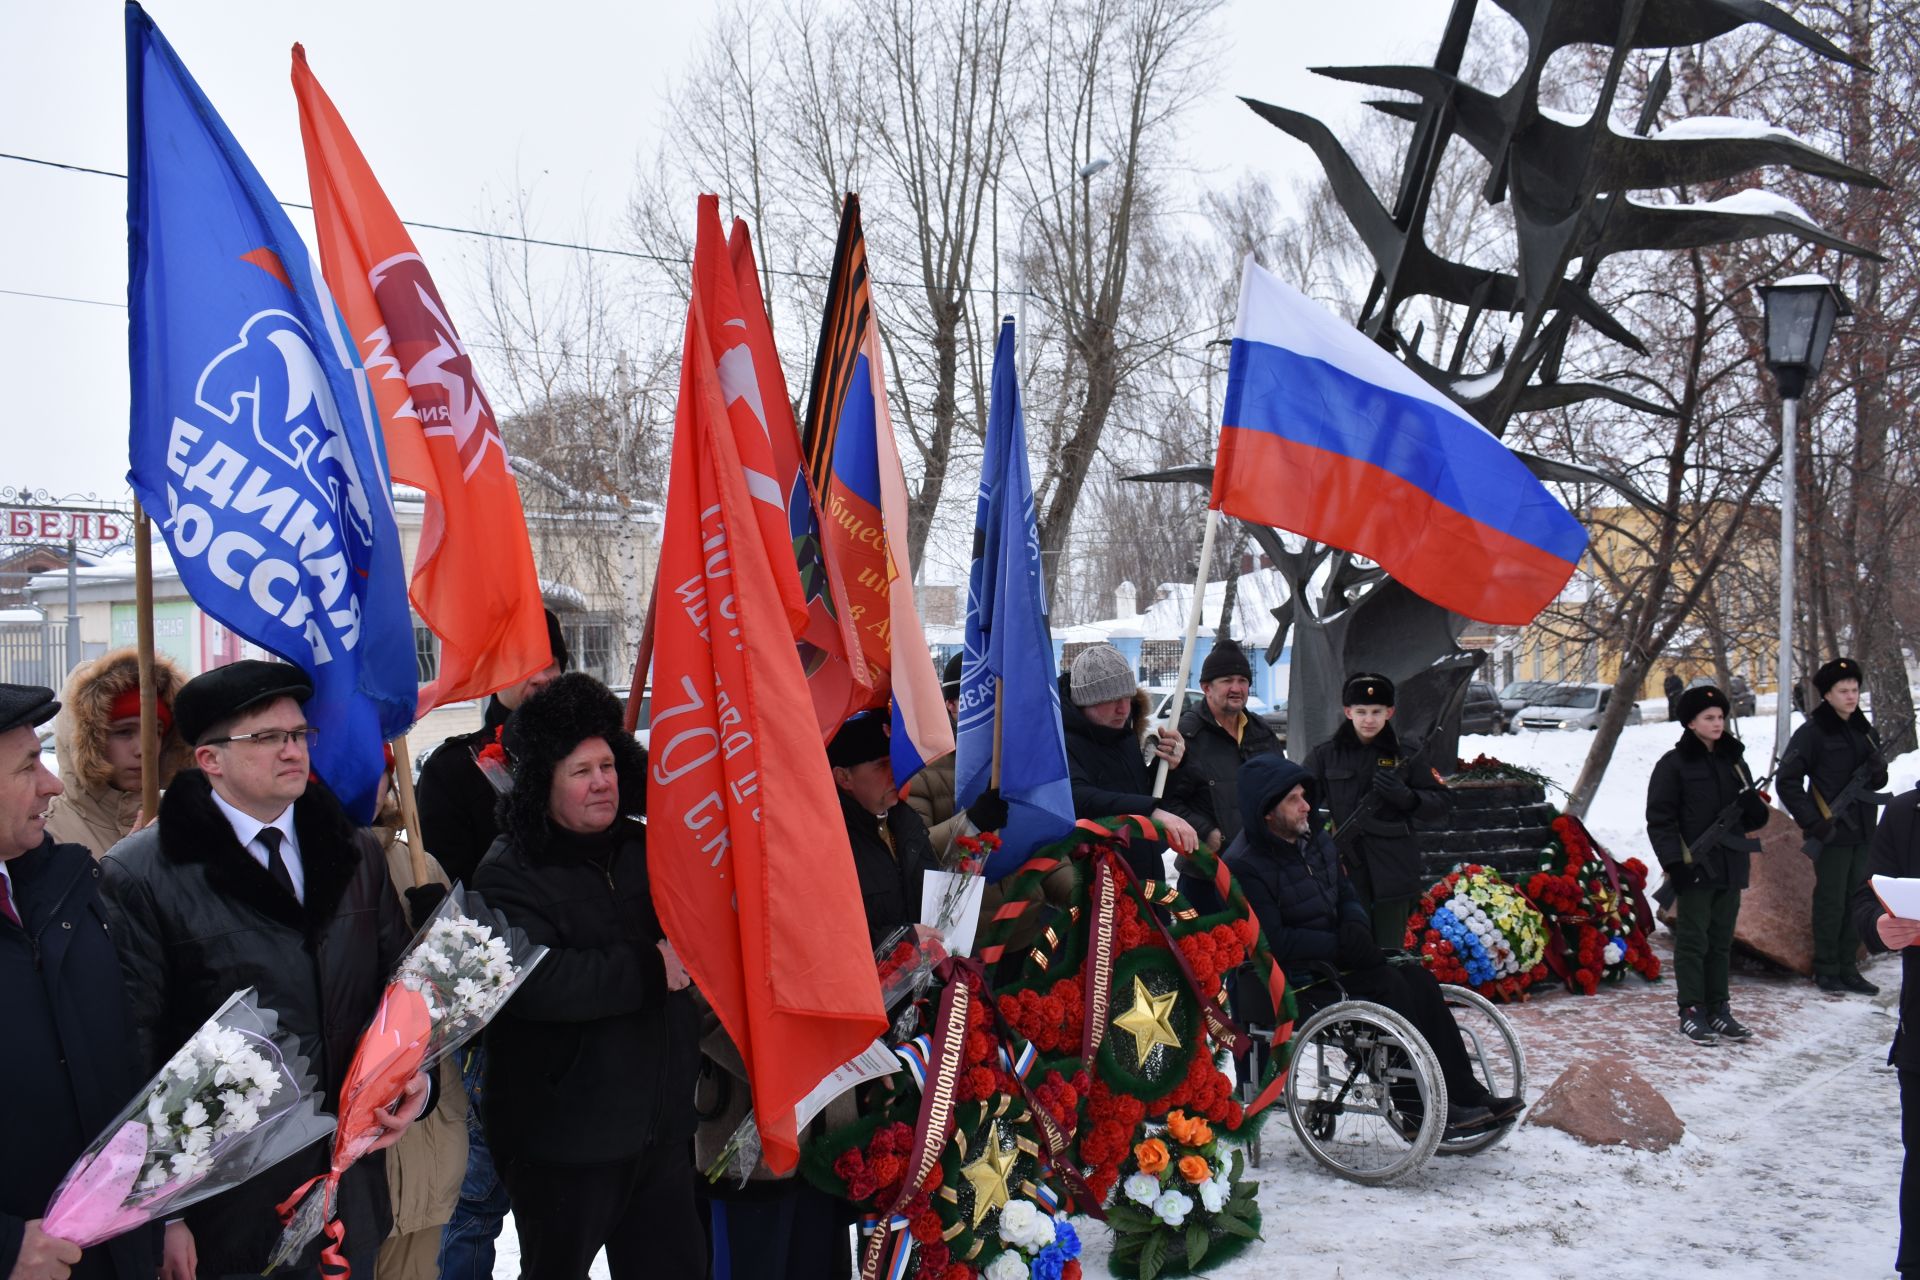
637, 692
143, 624
410, 809
999, 710
1193, 632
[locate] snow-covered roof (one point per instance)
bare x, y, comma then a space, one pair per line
1799, 281
1259, 593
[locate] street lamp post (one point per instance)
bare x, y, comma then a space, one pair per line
1800, 313
1084, 173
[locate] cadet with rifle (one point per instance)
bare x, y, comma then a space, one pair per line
1701, 802
1830, 779
1375, 788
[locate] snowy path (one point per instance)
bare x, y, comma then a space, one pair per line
1790, 1166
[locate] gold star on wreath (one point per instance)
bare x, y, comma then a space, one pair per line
989, 1175
1149, 1021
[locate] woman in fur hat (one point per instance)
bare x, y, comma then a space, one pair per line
97, 739
590, 1069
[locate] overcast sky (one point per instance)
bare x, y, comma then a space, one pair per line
454, 106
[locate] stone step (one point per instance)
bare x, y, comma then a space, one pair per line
1507, 816
1501, 796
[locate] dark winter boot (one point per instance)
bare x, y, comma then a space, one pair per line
1695, 1027
1852, 981
1830, 983
1729, 1027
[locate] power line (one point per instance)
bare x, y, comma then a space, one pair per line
1166, 344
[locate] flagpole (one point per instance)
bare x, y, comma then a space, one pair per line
143, 623
999, 705
1193, 632
637, 691
409, 809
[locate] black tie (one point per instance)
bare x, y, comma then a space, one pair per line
276, 865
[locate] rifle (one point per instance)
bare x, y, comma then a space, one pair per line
1856, 790
1718, 832
1345, 834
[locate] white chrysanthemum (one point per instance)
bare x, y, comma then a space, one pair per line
1008, 1266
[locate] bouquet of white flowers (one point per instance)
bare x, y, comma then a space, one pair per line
462, 967
235, 1099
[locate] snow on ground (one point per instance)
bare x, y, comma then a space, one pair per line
1790, 1166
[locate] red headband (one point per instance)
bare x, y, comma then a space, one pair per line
128, 704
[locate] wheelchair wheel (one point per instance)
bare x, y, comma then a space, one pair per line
1364, 1093
1497, 1058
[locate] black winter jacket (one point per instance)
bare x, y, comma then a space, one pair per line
1110, 775
1822, 755
457, 802
1384, 857
1296, 888
69, 1064
1205, 789
890, 878
593, 1060
198, 919
1895, 852
1689, 787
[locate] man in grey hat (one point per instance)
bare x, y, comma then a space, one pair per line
1104, 713
68, 1065
254, 876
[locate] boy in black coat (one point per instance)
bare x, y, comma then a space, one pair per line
1366, 766
1691, 786
69, 1062
1835, 744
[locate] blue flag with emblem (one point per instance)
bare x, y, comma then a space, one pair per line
1009, 650
253, 442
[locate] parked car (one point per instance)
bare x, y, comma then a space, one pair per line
1573, 706
1738, 692
1161, 697
1482, 712
1518, 696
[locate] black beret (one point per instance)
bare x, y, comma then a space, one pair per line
22, 706
1367, 690
859, 740
1834, 672
215, 696
1225, 659
1700, 698
950, 678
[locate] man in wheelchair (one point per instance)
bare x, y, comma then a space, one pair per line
1313, 916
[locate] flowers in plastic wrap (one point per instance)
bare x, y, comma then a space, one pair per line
459, 971
1476, 930
233, 1100
1183, 1204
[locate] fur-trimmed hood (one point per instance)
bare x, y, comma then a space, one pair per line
541, 733
80, 734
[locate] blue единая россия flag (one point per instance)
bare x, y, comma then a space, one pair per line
252, 439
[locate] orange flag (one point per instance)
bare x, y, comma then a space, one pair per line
473, 578
752, 874
839, 688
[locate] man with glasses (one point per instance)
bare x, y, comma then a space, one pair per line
255, 877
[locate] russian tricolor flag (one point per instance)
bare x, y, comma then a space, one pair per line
1328, 436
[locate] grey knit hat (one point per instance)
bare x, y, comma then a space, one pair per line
1101, 674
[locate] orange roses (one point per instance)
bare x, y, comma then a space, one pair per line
1191, 1130
1194, 1169
1151, 1155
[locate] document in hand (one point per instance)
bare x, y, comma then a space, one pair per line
1900, 895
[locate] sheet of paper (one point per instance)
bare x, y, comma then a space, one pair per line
950, 902
1899, 895
870, 1063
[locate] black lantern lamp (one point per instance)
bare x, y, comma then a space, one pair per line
1800, 311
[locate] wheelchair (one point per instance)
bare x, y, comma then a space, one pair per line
1364, 1091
